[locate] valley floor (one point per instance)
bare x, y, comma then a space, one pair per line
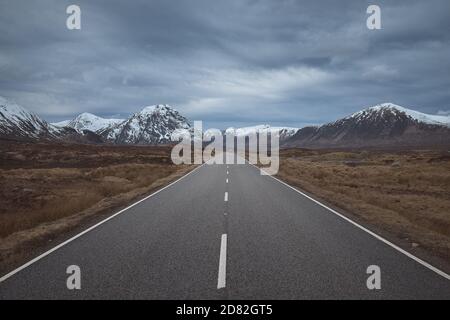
50, 191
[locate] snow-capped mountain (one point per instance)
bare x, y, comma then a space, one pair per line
16, 122
386, 110
152, 125
284, 132
383, 125
88, 121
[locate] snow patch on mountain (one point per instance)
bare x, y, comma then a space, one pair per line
385, 108
61, 124
88, 121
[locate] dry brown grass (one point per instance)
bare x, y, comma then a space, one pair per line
405, 193
49, 189
42, 195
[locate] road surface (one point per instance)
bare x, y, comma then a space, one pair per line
226, 232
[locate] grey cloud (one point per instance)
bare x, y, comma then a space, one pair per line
225, 62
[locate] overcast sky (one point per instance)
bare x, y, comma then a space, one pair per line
282, 62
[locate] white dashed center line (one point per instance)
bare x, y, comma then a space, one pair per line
221, 280
226, 196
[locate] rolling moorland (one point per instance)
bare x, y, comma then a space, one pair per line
402, 194
50, 190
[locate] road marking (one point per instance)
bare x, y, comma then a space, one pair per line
394, 246
227, 180
221, 279
226, 196
227, 171
29, 263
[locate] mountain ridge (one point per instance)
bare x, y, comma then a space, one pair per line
88, 121
383, 125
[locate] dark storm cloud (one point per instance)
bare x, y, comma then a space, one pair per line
225, 62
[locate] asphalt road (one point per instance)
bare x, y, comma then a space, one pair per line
226, 232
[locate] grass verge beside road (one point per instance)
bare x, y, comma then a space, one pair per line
406, 194
51, 190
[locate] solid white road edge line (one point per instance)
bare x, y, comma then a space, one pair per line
221, 279
406, 253
226, 196
29, 263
